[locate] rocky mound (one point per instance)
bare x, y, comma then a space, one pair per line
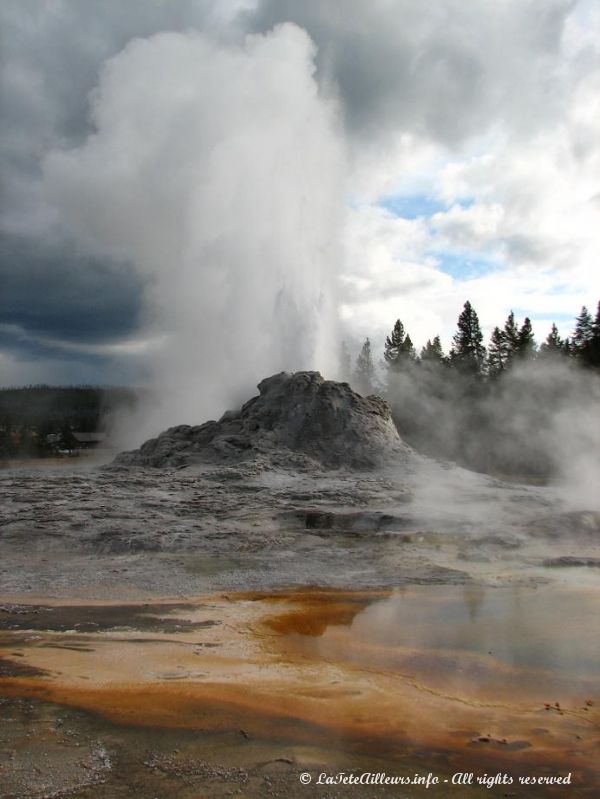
298, 421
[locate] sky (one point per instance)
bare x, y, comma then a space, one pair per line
229, 187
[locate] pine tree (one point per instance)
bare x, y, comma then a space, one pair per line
594, 343
468, 352
399, 350
496, 353
409, 354
568, 345
525, 347
432, 351
511, 331
364, 373
510, 336
393, 343
553, 346
582, 337
504, 345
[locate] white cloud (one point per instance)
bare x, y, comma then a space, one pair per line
523, 192
386, 274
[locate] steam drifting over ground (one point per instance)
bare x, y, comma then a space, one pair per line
539, 420
218, 171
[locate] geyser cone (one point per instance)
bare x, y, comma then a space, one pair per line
298, 420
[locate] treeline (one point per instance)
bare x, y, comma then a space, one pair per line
34, 418
491, 408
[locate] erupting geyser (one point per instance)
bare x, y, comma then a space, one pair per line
218, 172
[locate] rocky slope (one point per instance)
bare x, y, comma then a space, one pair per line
298, 421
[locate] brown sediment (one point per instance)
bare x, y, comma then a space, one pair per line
13, 668
310, 667
363, 720
312, 612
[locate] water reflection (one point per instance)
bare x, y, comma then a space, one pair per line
474, 595
479, 641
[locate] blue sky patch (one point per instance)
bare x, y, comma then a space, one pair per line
416, 206
465, 264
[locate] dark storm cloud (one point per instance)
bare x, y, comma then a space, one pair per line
50, 57
54, 50
60, 313
51, 54
54, 293
440, 69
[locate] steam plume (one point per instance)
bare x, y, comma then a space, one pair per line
217, 171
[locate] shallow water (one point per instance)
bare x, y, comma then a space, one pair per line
444, 679
557, 629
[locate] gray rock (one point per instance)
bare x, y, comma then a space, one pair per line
580, 524
298, 421
569, 561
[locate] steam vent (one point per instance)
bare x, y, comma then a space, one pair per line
298, 421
